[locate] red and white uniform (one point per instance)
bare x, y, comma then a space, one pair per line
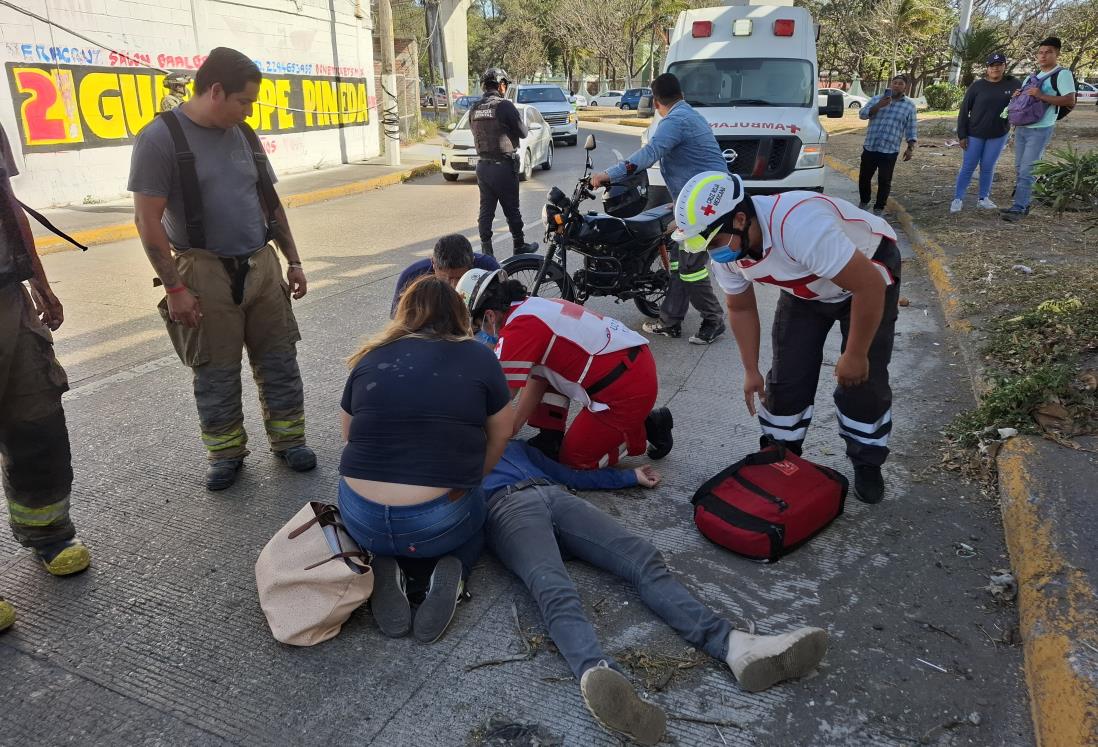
574, 349
807, 238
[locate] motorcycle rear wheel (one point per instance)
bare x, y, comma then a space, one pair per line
649, 304
525, 268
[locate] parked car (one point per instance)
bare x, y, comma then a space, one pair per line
465, 102
850, 101
606, 98
581, 101
553, 103
630, 100
459, 155
437, 96
1085, 93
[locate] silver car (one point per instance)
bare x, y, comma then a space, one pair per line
554, 106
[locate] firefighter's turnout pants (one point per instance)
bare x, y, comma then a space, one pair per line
864, 411
626, 382
689, 283
244, 304
34, 442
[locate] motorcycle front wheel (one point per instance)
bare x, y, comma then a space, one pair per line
649, 304
525, 268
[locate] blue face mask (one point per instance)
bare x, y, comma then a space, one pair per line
487, 339
725, 254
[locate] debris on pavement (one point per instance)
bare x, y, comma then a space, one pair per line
1003, 585
965, 550
904, 301
498, 731
1005, 433
1024, 269
933, 666
656, 670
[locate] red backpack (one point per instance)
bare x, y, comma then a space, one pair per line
769, 503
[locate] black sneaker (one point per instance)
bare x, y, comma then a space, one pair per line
617, 707
548, 443
656, 327
869, 486
389, 601
708, 332
436, 612
526, 248
863, 206
657, 427
222, 474
1014, 214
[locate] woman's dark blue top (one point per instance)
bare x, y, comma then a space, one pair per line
418, 409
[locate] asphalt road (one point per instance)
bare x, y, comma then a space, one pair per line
163, 642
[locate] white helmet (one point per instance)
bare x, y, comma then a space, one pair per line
708, 197
474, 284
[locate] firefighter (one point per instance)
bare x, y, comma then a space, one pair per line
210, 219
497, 127
34, 440
833, 263
176, 83
554, 351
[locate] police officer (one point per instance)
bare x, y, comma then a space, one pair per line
176, 83
497, 128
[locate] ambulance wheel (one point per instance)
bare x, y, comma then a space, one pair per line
450, 177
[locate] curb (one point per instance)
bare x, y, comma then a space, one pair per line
1063, 705
1052, 597
121, 231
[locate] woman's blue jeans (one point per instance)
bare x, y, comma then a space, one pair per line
426, 530
982, 152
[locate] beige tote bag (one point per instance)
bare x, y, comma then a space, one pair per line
311, 576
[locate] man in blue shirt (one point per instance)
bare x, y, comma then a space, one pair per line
891, 120
453, 257
684, 145
533, 519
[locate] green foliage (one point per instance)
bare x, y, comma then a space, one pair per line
1069, 181
944, 96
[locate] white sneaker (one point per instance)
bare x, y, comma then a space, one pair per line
617, 707
987, 203
955, 206
762, 661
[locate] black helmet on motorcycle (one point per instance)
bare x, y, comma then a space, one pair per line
493, 76
628, 199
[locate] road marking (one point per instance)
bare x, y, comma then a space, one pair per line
99, 350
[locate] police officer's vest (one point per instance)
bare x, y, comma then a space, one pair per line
489, 136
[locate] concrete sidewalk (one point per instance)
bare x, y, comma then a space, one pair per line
113, 221
1048, 496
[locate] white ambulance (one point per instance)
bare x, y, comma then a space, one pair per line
750, 70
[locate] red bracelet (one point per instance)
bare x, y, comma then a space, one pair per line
178, 289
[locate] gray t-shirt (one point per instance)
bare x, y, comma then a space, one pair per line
231, 212
7, 251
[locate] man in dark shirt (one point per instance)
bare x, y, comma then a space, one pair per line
453, 257
497, 128
533, 519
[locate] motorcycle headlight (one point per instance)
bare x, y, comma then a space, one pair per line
557, 198
812, 156
545, 215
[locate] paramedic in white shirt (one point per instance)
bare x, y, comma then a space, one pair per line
833, 263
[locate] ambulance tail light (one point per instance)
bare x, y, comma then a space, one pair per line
784, 27
701, 29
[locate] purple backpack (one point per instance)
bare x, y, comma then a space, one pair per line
1024, 109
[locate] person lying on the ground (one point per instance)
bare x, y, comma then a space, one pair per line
452, 258
554, 351
426, 414
533, 519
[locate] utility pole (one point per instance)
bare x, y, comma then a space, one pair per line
962, 29
390, 117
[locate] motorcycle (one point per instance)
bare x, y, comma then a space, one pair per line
623, 251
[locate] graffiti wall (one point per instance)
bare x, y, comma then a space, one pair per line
67, 107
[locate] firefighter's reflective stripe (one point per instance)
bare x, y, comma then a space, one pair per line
221, 441
38, 517
694, 277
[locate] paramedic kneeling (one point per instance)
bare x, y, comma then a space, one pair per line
833, 263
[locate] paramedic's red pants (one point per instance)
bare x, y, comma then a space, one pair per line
600, 439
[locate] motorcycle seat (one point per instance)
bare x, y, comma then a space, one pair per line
651, 223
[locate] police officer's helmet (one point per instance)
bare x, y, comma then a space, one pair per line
493, 76
177, 80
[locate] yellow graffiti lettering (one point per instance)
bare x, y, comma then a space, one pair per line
138, 100
266, 103
329, 103
102, 106
308, 96
282, 98
362, 105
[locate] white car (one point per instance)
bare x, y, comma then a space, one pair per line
607, 98
459, 155
850, 101
580, 101
1085, 93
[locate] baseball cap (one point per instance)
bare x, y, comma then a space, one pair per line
996, 59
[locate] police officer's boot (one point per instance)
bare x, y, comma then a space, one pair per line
487, 250
526, 248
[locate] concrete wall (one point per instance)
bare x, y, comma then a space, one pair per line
71, 108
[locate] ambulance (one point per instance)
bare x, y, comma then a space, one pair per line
750, 69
